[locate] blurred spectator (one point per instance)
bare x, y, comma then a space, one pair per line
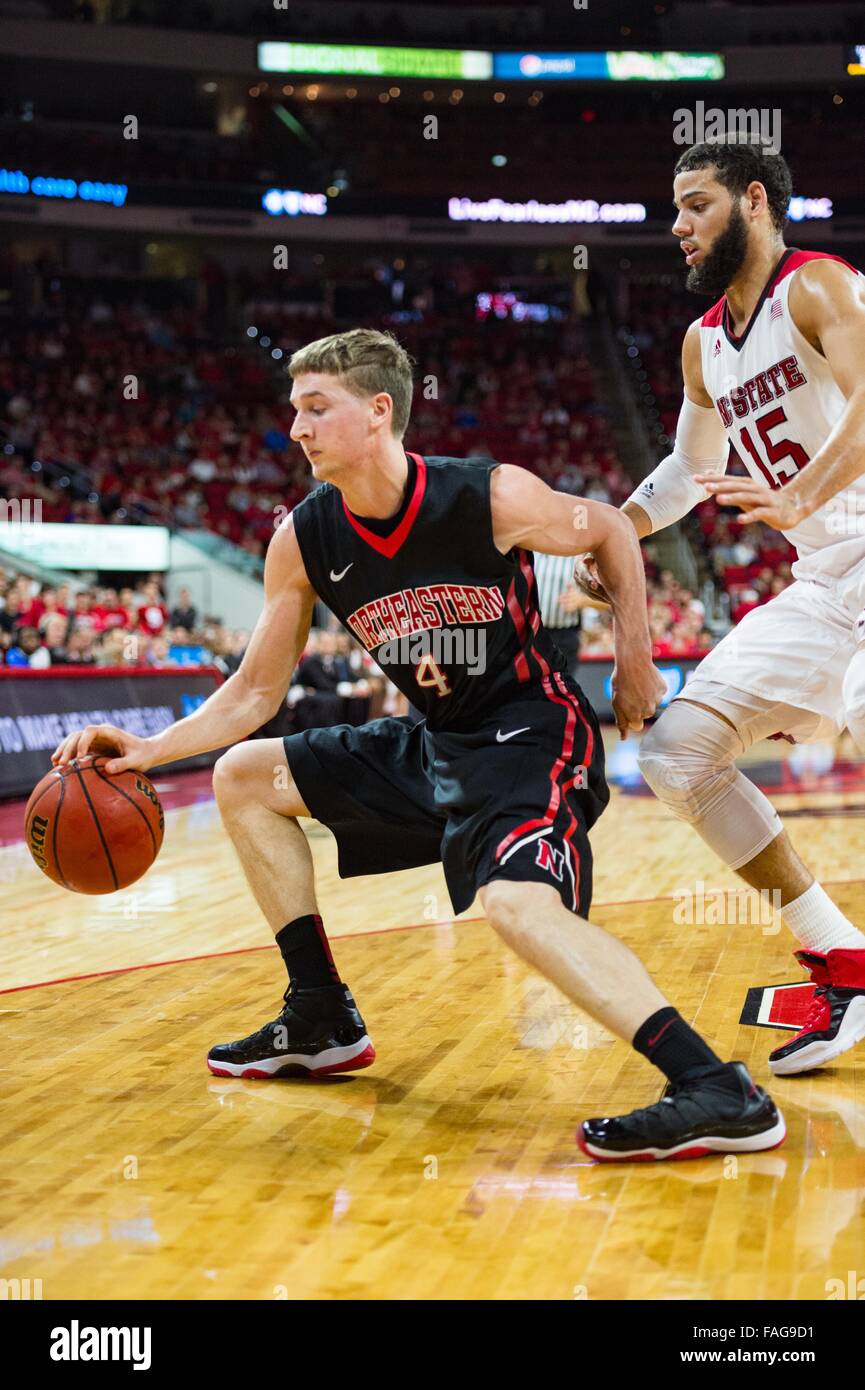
183, 614
10, 615
152, 615
323, 684
54, 639
117, 648
108, 611
80, 648
81, 618
25, 648
158, 654
228, 653
183, 651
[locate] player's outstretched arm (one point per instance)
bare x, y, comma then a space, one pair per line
247, 699
529, 514
827, 305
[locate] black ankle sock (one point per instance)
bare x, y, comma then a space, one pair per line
672, 1046
306, 953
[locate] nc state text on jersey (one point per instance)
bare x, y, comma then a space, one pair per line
755, 391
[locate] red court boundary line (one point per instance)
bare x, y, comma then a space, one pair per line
375, 931
217, 955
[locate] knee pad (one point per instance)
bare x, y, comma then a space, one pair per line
687, 760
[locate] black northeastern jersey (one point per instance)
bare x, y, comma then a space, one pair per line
453, 622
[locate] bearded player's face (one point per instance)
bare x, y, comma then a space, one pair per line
333, 427
712, 232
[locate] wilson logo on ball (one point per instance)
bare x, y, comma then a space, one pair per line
147, 789
38, 831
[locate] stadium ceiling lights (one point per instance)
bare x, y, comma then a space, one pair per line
474, 65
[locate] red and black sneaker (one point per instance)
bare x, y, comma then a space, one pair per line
319, 1032
720, 1113
836, 1019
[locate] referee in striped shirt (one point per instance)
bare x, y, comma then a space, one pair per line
555, 577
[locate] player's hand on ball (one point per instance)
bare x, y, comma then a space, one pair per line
636, 696
131, 751
588, 580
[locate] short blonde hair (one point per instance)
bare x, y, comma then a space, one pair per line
366, 362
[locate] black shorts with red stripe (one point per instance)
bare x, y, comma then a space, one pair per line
513, 799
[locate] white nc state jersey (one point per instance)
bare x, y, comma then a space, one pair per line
778, 402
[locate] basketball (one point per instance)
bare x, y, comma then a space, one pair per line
90, 832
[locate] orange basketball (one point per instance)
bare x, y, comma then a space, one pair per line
90, 832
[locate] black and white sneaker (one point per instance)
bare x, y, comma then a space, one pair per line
836, 1018
319, 1032
722, 1113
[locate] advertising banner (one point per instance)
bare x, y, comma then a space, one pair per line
39, 708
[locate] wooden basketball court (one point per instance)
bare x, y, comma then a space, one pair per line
448, 1169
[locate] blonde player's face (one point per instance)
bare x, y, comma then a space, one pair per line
333, 427
704, 207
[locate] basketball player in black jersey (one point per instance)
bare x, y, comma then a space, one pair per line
427, 561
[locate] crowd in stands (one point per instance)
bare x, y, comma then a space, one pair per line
677, 621
179, 429
161, 420
42, 626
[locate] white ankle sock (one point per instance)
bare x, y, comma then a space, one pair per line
818, 924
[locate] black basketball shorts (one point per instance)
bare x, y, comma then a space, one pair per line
513, 799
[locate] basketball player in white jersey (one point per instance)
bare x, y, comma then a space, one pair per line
776, 368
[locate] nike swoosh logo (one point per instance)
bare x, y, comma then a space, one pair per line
650, 1042
337, 577
503, 738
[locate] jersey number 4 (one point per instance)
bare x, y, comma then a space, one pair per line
428, 673
785, 457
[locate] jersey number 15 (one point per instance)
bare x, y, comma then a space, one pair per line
785, 457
